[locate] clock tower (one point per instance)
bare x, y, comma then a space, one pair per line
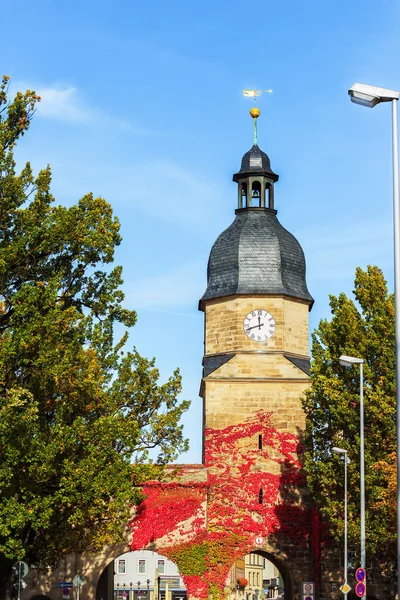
256, 310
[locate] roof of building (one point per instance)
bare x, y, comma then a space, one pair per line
256, 255
256, 161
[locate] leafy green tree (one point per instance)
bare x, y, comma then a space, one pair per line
361, 327
78, 414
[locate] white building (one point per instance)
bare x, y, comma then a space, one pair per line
146, 575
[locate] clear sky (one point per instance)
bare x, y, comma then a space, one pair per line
142, 104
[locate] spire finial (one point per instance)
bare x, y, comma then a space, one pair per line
255, 111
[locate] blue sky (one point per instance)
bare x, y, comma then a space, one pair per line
142, 104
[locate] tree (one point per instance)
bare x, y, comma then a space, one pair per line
78, 414
363, 327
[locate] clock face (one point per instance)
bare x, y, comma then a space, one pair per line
259, 325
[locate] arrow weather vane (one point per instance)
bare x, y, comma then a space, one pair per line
255, 112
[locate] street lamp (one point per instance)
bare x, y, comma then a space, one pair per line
368, 95
343, 453
349, 362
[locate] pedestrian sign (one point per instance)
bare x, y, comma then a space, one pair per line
345, 589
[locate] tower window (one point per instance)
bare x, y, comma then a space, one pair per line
243, 195
260, 442
256, 193
260, 496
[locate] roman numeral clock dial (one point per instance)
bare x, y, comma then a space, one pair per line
259, 325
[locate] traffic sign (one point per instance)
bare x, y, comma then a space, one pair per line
360, 575
66, 593
20, 569
308, 598
307, 590
361, 590
66, 584
345, 589
259, 540
78, 580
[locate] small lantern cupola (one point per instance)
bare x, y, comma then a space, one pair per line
256, 178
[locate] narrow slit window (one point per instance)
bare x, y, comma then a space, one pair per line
260, 442
260, 496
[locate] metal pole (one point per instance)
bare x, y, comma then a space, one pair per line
345, 519
362, 469
396, 217
19, 579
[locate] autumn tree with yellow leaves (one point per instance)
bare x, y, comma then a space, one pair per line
362, 327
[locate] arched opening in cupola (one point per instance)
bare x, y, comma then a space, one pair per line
269, 192
256, 197
242, 194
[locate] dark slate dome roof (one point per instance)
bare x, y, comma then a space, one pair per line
256, 255
256, 161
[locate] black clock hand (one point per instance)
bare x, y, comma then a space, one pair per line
255, 326
259, 319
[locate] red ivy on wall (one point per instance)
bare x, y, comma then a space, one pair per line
205, 526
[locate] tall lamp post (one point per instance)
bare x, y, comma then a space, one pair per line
349, 362
342, 452
370, 96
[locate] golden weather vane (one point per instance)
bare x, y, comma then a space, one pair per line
255, 112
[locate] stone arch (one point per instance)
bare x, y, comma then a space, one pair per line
281, 565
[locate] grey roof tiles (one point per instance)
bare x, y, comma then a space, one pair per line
256, 255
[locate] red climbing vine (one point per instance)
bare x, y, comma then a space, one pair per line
248, 491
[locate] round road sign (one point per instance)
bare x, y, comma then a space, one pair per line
259, 540
360, 575
360, 589
307, 587
308, 598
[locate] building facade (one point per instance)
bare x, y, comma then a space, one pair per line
147, 575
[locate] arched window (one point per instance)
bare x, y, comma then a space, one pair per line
256, 194
243, 195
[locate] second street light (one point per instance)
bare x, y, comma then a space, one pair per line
349, 362
343, 453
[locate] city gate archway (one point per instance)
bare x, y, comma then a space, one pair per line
141, 575
259, 575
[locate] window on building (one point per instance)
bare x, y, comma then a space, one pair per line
121, 566
161, 566
142, 565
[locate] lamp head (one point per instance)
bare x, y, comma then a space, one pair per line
339, 450
350, 361
370, 95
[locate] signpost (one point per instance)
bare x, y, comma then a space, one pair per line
307, 590
78, 581
20, 570
361, 588
345, 589
360, 575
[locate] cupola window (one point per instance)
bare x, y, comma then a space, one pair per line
256, 194
243, 195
